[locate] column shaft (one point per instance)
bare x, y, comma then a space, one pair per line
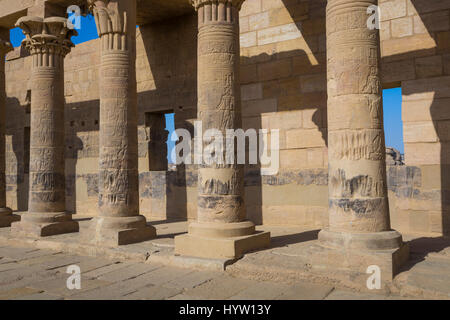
358, 200
119, 221
221, 192
47, 161
6, 216
221, 230
48, 41
357, 166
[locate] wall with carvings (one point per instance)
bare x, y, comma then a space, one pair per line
283, 75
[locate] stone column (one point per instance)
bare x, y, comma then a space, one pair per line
358, 202
6, 216
221, 229
48, 41
119, 221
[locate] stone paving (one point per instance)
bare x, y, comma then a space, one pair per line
36, 269
27, 273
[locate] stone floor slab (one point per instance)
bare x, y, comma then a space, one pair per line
261, 291
220, 288
129, 272
17, 292
88, 264
192, 280
8, 266
153, 293
39, 296
426, 276
109, 292
106, 269
305, 291
58, 286
163, 275
349, 295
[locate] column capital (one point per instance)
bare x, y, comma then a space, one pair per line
199, 3
116, 23
111, 15
46, 35
5, 47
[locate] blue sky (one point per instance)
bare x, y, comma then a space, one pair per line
393, 127
392, 98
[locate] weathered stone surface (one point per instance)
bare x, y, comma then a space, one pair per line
6, 216
283, 69
48, 41
119, 222
289, 267
393, 157
221, 212
359, 224
283, 88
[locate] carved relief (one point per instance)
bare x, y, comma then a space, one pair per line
356, 187
48, 40
5, 47
114, 23
212, 11
357, 145
357, 176
220, 187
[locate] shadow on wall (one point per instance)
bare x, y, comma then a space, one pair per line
170, 86
431, 87
17, 180
279, 73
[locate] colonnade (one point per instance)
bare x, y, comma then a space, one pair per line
358, 204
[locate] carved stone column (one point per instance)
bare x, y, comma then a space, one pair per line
358, 201
119, 221
48, 41
6, 216
221, 230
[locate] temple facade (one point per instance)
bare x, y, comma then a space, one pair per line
84, 126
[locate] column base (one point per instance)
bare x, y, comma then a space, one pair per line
118, 231
7, 217
37, 225
353, 253
220, 241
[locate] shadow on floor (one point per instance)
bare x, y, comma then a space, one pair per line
285, 240
419, 248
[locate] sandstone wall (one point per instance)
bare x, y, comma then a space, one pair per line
416, 54
283, 74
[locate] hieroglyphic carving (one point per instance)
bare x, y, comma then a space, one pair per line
114, 22
48, 41
356, 145
5, 213
220, 186
357, 172
119, 221
361, 186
